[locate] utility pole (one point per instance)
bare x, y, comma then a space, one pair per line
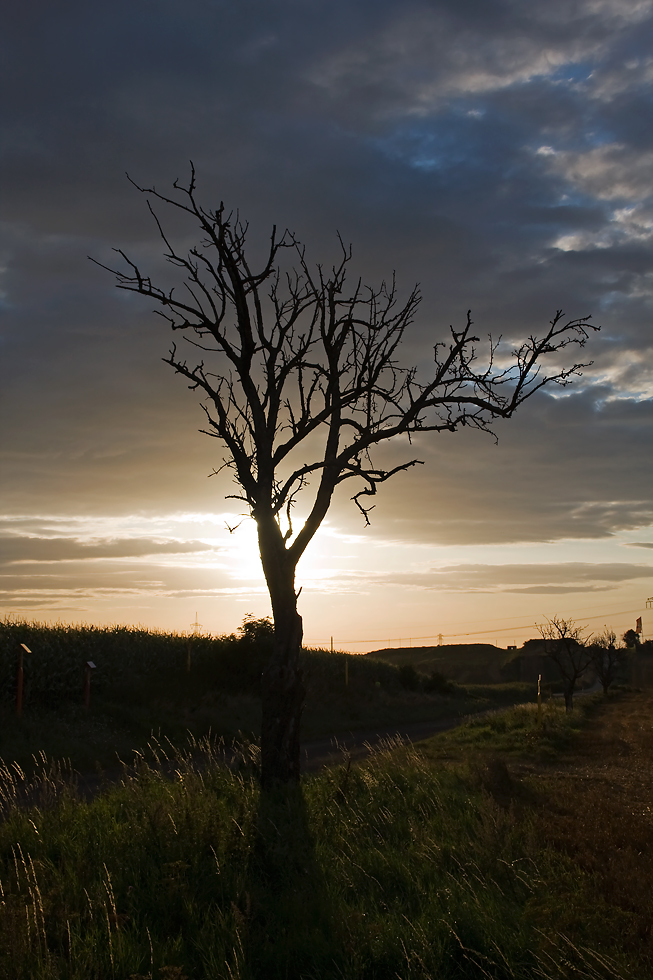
197, 626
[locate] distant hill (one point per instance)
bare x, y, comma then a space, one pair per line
466, 663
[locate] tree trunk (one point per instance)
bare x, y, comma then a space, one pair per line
282, 688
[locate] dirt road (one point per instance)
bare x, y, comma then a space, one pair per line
356, 745
614, 756
595, 806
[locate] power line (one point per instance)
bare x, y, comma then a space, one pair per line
433, 636
504, 629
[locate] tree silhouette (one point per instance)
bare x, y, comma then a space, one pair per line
565, 645
631, 639
303, 383
608, 659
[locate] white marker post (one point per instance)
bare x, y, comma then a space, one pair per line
539, 699
19, 680
89, 666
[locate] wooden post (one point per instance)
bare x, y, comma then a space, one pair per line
89, 666
19, 680
346, 671
188, 658
539, 699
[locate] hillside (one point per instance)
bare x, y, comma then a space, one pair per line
465, 663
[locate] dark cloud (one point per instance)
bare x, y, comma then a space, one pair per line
570, 467
35, 550
136, 577
493, 151
528, 579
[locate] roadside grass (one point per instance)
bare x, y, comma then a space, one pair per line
405, 866
522, 731
598, 815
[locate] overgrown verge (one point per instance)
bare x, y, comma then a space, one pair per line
401, 867
524, 731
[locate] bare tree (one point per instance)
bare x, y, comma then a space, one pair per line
565, 645
607, 657
303, 364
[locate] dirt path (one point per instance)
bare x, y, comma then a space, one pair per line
596, 807
613, 753
356, 745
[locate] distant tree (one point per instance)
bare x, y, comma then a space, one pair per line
631, 639
253, 630
565, 645
607, 658
303, 383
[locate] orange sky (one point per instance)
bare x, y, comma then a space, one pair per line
493, 154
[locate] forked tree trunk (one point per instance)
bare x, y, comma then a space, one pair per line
282, 688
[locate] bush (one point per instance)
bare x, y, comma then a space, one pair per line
437, 683
408, 677
257, 631
243, 661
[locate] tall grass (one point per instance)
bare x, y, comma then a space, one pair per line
395, 869
525, 730
124, 656
130, 658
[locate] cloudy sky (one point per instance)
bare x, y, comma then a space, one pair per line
498, 152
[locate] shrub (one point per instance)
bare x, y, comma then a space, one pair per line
437, 683
408, 677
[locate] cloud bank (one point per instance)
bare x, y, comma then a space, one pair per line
495, 153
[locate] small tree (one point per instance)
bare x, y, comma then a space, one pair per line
303, 384
257, 631
631, 639
607, 657
565, 645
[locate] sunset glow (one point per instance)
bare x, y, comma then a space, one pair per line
497, 157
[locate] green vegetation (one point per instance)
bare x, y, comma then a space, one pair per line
403, 867
522, 732
147, 681
462, 857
